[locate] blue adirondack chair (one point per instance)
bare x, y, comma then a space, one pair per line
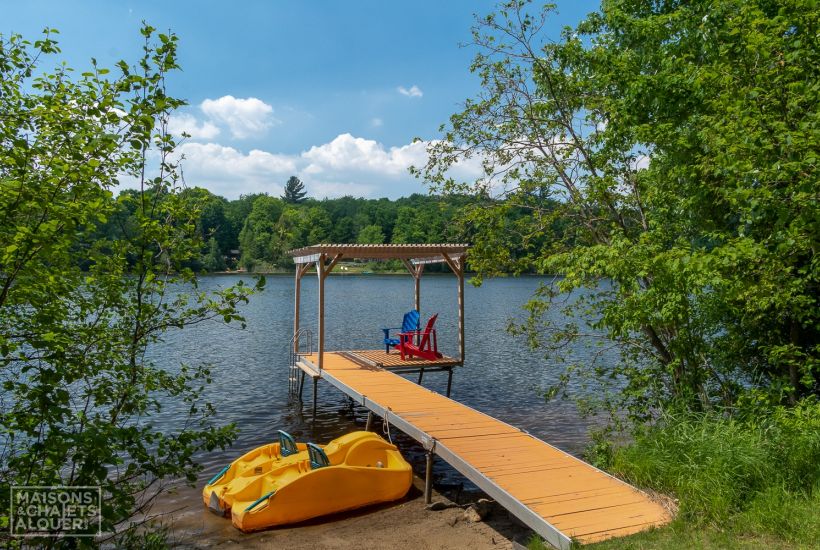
410, 323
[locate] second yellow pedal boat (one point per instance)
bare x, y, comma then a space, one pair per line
355, 470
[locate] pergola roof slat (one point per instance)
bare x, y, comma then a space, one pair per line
418, 253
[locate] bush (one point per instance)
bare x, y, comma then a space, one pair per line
756, 473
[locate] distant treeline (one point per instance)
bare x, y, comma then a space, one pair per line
255, 231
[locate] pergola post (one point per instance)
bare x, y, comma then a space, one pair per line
323, 271
300, 270
460, 274
417, 293
320, 350
296, 298
457, 267
320, 336
417, 279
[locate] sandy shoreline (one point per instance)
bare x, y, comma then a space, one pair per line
400, 525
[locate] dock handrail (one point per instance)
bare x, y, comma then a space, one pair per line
301, 344
296, 341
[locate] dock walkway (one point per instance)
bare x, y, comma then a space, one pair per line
557, 495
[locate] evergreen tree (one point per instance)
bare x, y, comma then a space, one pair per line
214, 261
294, 191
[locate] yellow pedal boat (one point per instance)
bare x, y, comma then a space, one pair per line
355, 470
218, 492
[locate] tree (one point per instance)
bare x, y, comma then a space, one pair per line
291, 232
342, 230
236, 212
294, 191
257, 238
214, 260
317, 225
79, 392
212, 219
407, 229
371, 234
683, 160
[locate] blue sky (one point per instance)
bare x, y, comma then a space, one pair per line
333, 92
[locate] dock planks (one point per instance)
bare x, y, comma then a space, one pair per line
559, 496
393, 360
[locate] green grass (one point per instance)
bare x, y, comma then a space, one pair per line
687, 538
770, 522
744, 482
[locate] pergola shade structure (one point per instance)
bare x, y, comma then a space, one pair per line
414, 257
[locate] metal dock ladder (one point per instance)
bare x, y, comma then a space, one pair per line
301, 346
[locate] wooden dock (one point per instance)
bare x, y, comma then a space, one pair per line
557, 495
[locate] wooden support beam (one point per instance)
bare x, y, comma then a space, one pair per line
451, 263
320, 268
300, 270
410, 267
322, 271
331, 265
461, 310
419, 271
457, 267
296, 298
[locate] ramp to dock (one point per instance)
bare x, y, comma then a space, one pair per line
557, 495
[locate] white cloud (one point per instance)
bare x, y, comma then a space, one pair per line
229, 172
376, 122
177, 124
347, 165
250, 117
414, 91
321, 189
352, 154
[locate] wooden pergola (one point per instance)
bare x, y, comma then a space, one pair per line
414, 257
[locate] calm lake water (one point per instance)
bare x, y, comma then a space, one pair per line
500, 377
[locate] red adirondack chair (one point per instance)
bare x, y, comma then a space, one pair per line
427, 347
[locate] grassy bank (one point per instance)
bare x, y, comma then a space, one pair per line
748, 481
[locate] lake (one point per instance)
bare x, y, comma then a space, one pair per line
500, 377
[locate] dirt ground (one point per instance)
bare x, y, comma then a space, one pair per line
405, 524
